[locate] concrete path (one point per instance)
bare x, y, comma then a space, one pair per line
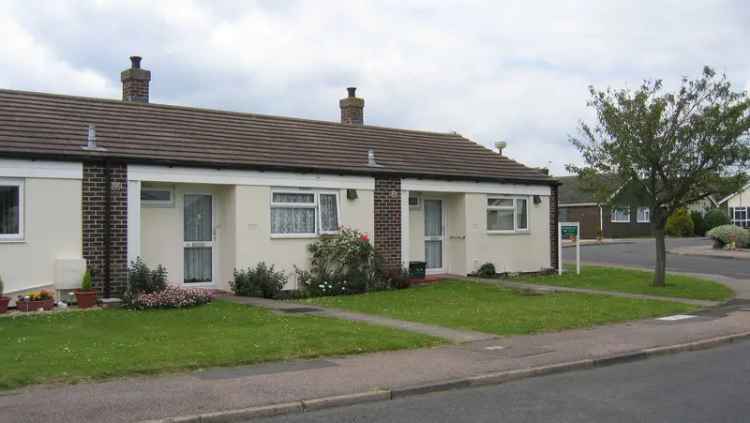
213, 390
452, 335
552, 288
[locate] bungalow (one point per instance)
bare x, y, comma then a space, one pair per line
738, 204
96, 183
628, 217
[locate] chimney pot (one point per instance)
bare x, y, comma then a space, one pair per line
352, 108
135, 62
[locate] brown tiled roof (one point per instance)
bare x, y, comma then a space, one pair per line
55, 126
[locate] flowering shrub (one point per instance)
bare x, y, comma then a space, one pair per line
346, 263
722, 236
172, 297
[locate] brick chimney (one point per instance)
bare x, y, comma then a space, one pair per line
135, 82
352, 108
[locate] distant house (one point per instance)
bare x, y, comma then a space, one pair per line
629, 217
95, 183
738, 205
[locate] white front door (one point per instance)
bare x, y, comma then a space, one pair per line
433, 235
198, 239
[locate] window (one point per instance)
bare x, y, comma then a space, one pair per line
740, 216
621, 215
156, 197
507, 215
11, 210
644, 215
304, 213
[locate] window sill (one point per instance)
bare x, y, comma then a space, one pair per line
12, 240
509, 232
620, 221
294, 236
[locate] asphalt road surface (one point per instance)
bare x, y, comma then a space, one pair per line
641, 252
703, 386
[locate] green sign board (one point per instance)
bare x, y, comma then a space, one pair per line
569, 231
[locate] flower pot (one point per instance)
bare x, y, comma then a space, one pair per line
25, 306
86, 299
4, 304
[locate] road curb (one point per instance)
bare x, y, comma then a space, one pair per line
716, 256
494, 378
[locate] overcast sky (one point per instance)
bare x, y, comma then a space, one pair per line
494, 70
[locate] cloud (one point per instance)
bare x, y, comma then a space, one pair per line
513, 71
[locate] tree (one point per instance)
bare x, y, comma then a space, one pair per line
674, 146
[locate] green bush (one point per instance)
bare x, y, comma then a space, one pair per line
722, 234
344, 263
1, 286
487, 270
699, 225
260, 281
716, 217
142, 280
679, 224
86, 284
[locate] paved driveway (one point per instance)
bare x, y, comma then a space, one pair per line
642, 253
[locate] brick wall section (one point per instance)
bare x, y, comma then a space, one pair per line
95, 222
388, 220
553, 214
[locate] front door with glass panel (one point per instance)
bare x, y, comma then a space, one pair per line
433, 235
199, 239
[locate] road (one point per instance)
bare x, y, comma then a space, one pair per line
704, 386
641, 252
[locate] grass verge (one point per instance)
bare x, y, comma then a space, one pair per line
633, 282
502, 311
77, 346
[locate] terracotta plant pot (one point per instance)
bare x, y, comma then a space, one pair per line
86, 299
4, 304
35, 305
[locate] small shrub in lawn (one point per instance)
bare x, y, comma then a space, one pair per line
259, 281
699, 225
714, 218
679, 223
722, 236
487, 270
141, 279
86, 284
1, 286
171, 297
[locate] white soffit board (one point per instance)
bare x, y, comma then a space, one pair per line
247, 177
432, 185
15, 168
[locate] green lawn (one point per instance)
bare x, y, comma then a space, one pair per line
492, 309
633, 282
75, 346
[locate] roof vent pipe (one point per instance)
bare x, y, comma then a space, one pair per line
371, 159
91, 140
92, 136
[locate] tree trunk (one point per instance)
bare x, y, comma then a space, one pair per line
661, 256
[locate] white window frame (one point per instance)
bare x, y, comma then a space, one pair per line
516, 229
320, 213
647, 214
21, 210
315, 205
157, 203
745, 223
612, 214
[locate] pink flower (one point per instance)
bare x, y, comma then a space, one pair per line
365, 238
